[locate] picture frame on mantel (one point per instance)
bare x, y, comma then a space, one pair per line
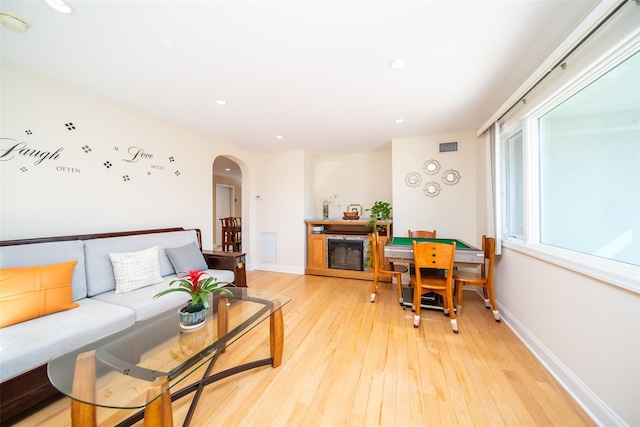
355, 208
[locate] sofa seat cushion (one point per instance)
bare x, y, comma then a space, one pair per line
142, 300
30, 344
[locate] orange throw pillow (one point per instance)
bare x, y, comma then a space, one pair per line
30, 292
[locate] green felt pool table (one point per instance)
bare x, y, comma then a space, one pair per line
400, 249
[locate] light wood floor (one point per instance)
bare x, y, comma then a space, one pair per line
348, 362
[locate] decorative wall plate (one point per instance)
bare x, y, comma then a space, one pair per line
431, 167
431, 189
413, 179
451, 177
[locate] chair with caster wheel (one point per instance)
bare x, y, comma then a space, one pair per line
434, 256
484, 278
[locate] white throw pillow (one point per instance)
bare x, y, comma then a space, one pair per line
134, 270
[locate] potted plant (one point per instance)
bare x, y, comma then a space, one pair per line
380, 211
199, 289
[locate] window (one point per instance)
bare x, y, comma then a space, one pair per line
570, 172
589, 155
513, 186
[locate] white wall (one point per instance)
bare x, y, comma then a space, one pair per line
452, 213
586, 331
361, 179
280, 210
76, 192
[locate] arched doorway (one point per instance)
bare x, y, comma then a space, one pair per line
227, 197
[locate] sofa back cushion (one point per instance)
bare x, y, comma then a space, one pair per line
100, 276
49, 253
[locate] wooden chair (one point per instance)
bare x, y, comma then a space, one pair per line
422, 234
228, 235
236, 233
440, 256
382, 267
484, 278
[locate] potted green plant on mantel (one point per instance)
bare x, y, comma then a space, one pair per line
193, 314
380, 211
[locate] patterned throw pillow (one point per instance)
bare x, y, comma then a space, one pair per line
186, 258
134, 270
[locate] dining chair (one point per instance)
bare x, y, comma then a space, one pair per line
228, 243
422, 234
382, 267
236, 233
439, 256
484, 278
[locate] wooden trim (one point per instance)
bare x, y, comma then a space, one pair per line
90, 236
24, 391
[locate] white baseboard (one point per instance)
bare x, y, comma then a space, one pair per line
592, 405
276, 268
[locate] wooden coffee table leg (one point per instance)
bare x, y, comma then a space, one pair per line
276, 336
223, 318
84, 388
158, 412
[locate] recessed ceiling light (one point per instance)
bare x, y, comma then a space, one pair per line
396, 64
399, 120
221, 102
61, 6
279, 137
13, 22
227, 169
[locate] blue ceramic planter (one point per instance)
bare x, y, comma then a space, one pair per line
192, 319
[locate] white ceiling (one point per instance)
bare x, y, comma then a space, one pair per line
315, 72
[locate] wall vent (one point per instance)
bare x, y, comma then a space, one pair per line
268, 247
447, 147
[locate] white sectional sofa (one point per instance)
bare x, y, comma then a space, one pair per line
26, 347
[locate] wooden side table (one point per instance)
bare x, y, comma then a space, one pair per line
234, 261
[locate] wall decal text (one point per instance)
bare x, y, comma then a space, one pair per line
67, 169
136, 154
21, 149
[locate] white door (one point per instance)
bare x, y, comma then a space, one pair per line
224, 207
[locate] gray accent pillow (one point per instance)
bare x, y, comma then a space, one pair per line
186, 258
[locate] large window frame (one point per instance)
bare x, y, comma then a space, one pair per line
617, 273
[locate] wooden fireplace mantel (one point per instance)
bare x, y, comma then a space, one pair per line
317, 245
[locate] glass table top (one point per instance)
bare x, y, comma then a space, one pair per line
128, 361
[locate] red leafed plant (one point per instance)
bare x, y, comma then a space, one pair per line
197, 287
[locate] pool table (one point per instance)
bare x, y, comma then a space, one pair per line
400, 250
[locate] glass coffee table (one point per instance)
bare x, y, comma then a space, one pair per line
150, 364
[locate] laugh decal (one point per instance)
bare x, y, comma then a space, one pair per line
125, 163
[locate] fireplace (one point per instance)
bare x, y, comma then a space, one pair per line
346, 253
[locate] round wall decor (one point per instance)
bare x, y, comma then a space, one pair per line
431, 167
413, 179
451, 177
431, 189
